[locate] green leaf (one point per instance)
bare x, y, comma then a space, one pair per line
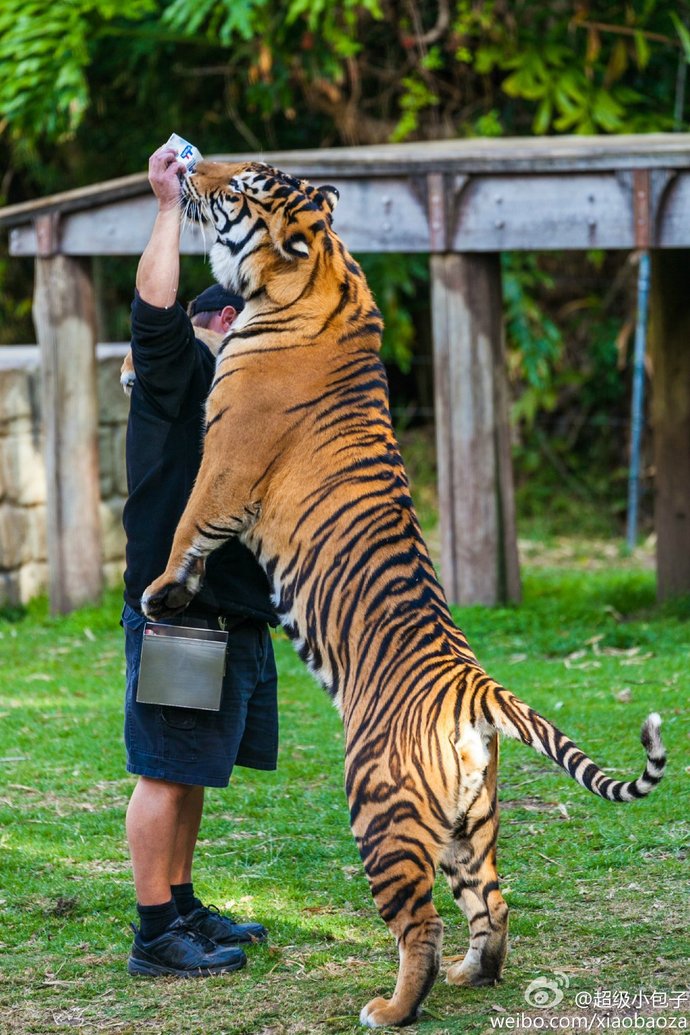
433, 60
486, 59
525, 84
187, 17
618, 62
683, 34
642, 49
489, 124
542, 120
606, 112
574, 84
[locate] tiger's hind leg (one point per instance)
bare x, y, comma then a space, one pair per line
401, 874
470, 866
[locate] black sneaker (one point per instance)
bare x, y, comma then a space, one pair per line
182, 952
209, 921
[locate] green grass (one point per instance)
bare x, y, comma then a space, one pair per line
598, 892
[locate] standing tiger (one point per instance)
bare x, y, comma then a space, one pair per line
300, 461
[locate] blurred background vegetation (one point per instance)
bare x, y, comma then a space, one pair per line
88, 88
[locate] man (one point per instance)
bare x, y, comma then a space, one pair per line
177, 752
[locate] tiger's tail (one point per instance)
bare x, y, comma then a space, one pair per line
512, 717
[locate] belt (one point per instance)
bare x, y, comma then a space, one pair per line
225, 622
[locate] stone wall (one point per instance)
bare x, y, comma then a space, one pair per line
23, 553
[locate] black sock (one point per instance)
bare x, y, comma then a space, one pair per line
155, 919
185, 900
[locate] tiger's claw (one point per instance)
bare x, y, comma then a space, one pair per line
167, 601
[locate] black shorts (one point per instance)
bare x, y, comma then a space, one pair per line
186, 745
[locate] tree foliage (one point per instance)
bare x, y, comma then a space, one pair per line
45, 58
369, 70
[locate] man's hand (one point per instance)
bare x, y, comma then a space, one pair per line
164, 170
159, 267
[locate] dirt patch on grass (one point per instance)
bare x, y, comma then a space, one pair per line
587, 554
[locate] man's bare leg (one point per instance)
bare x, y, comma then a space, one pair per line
162, 827
187, 834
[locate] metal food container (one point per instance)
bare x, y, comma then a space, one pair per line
182, 666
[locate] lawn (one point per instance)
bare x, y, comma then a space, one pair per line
598, 892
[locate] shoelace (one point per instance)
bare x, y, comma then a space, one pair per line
186, 931
194, 935
214, 909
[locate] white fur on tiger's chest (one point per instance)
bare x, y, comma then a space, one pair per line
224, 264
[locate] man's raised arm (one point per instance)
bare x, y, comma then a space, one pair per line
158, 273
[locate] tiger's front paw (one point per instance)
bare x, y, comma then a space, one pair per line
165, 599
171, 592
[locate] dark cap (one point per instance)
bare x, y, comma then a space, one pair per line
213, 299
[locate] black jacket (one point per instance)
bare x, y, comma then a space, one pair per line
164, 445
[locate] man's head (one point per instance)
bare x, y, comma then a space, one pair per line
215, 309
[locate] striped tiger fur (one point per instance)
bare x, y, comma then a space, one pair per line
300, 461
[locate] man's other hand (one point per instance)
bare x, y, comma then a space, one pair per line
164, 170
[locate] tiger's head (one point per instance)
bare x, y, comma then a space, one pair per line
268, 225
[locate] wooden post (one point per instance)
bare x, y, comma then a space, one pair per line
669, 333
479, 560
64, 317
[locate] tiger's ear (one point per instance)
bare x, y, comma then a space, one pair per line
330, 195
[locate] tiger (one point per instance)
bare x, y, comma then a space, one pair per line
300, 461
